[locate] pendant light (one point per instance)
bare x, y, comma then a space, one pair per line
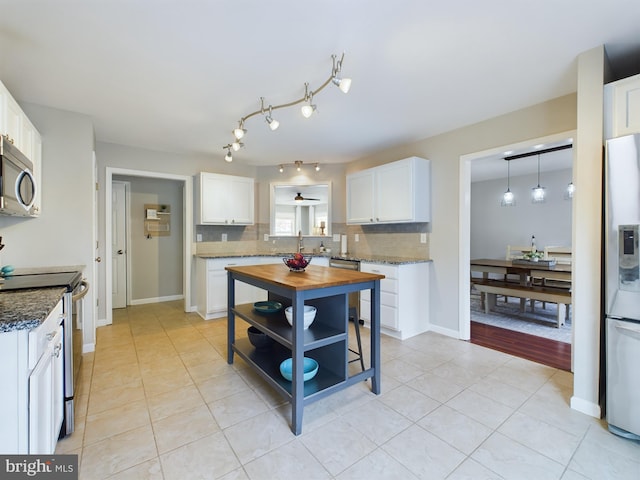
571, 189
508, 199
538, 193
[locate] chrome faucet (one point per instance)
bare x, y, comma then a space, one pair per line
300, 244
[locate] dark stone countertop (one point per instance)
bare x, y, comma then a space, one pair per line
388, 259
27, 309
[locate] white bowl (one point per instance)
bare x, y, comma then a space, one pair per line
309, 315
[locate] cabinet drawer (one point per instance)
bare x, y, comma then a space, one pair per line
39, 337
386, 298
389, 271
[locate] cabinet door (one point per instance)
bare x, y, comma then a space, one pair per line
626, 114
360, 197
216, 291
12, 120
213, 199
45, 398
241, 204
394, 192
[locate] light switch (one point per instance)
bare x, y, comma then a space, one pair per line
336, 237
266, 237
224, 237
357, 237
423, 238
198, 237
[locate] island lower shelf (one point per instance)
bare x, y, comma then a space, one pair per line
267, 364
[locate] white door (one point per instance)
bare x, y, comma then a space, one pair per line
118, 246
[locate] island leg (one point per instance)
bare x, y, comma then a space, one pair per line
297, 388
231, 319
375, 337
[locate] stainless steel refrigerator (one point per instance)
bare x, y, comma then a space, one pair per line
622, 285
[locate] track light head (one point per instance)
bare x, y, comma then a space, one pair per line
344, 84
281, 169
307, 110
237, 146
317, 167
228, 157
273, 124
240, 131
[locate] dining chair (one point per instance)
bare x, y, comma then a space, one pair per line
515, 252
561, 255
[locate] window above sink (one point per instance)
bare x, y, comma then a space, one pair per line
302, 208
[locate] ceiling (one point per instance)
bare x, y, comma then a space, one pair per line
177, 75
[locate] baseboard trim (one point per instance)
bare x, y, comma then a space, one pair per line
88, 347
144, 301
444, 331
586, 407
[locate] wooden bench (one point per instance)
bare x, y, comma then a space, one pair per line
544, 294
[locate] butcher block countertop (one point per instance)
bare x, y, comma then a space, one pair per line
313, 277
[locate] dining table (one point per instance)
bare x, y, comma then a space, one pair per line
525, 270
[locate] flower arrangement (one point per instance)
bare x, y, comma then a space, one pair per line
534, 256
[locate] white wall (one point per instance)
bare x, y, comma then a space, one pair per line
493, 227
62, 234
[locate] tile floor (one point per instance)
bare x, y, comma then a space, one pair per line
157, 400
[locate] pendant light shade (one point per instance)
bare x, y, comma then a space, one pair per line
571, 189
538, 193
508, 199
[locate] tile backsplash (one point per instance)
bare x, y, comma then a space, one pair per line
401, 240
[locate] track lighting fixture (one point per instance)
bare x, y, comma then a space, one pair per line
228, 158
237, 146
298, 164
344, 84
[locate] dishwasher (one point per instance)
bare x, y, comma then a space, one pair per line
354, 306
354, 297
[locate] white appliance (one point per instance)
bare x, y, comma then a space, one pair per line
622, 284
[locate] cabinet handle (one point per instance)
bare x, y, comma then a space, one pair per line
233, 220
371, 219
377, 219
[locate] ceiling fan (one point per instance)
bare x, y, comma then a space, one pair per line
300, 198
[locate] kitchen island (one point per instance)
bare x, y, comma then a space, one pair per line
326, 340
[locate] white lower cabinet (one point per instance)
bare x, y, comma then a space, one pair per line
404, 298
31, 372
212, 284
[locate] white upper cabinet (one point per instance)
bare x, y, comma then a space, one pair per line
622, 107
224, 199
397, 192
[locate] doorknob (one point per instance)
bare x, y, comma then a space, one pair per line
98, 259
120, 252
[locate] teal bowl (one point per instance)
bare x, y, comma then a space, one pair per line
309, 365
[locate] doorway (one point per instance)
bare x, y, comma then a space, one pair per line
465, 247
186, 231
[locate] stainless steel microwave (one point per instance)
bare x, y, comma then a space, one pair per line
17, 182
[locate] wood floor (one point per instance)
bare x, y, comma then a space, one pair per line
542, 350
